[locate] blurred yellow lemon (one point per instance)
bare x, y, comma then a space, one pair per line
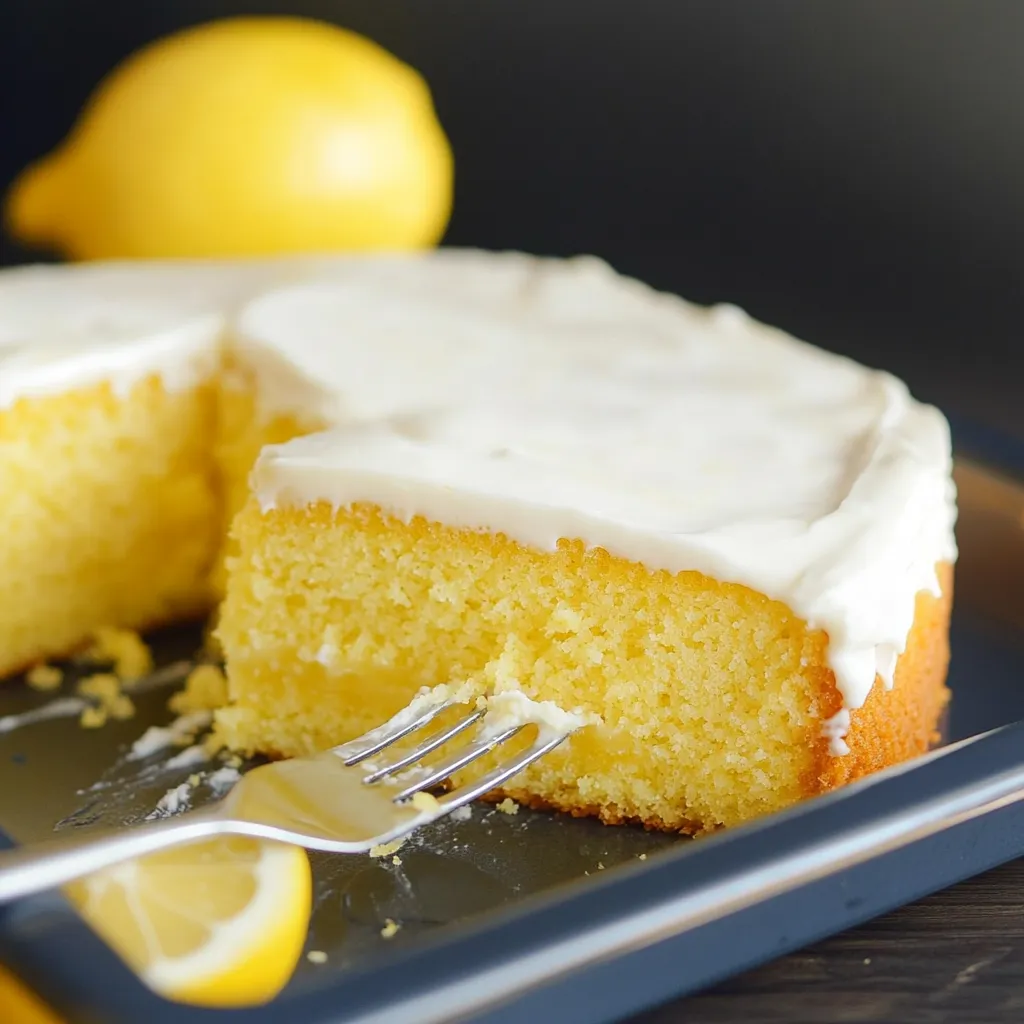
220, 923
244, 137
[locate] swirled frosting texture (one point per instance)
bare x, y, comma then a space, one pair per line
547, 399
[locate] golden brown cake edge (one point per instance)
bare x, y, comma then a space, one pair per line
897, 724
891, 727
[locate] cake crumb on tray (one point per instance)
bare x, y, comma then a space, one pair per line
387, 849
205, 689
44, 678
125, 649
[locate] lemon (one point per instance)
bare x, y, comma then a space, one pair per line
242, 137
220, 923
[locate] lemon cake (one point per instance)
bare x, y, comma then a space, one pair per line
728, 552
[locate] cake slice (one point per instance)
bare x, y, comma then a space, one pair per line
728, 550
107, 503
115, 401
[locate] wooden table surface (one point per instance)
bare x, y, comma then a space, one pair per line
957, 956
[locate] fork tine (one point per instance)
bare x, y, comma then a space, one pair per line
547, 740
391, 731
465, 755
431, 743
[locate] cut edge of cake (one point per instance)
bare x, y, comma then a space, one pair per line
713, 700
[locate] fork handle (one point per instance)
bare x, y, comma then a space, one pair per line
27, 870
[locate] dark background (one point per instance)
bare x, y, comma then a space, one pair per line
852, 170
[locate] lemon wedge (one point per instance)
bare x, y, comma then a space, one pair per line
220, 923
243, 137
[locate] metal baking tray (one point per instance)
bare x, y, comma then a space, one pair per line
503, 917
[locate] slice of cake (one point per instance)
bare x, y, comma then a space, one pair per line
107, 503
729, 550
113, 393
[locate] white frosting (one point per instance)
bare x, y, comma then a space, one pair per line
222, 780
511, 708
68, 327
544, 399
834, 729
159, 737
188, 757
174, 801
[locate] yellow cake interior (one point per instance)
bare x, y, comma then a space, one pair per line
711, 695
120, 507
111, 509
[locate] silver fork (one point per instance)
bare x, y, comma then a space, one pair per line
342, 801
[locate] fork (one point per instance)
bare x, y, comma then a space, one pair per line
343, 801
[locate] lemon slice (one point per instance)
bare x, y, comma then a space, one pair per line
220, 923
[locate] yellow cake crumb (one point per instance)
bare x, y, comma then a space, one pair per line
44, 677
122, 707
127, 651
643, 856
105, 689
316, 956
389, 929
104, 686
425, 802
397, 861
508, 806
211, 649
205, 689
386, 849
93, 717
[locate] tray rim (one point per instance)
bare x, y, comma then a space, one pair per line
563, 939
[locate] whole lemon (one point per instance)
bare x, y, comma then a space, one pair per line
242, 137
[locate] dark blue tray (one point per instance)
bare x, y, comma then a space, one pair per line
562, 944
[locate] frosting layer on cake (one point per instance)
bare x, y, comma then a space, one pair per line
66, 327
541, 399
